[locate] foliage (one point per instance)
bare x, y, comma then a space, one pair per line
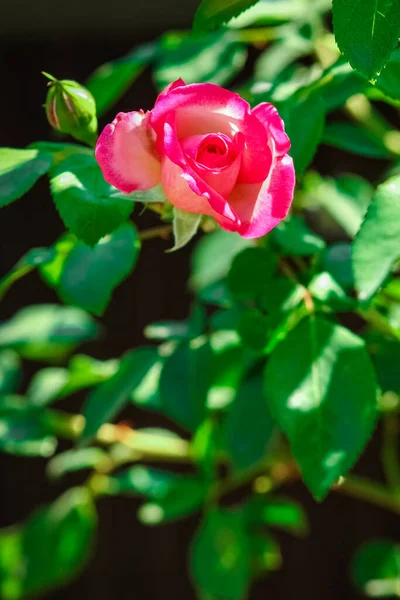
289, 356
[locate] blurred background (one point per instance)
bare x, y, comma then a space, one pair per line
70, 39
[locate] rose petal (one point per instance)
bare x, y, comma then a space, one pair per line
269, 117
202, 108
187, 191
261, 207
126, 154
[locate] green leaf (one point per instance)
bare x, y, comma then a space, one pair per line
112, 79
184, 383
35, 257
90, 275
212, 257
254, 329
53, 383
304, 119
281, 297
19, 171
295, 238
366, 32
337, 261
57, 541
60, 150
170, 496
248, 426
147, 393
376, 569
23, 429
321, 388
47, 331
220, 555
279, 512
10, 372
185, 226
389, 80
88, 206
326, 290
386, 358
229, 362
214, 13
251, 272
111, 396
179, 330
346, 198
213, 58
76, 460
376, 247
355, 139
338, 83
265, 554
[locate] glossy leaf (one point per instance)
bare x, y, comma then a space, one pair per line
57, 541
220, 555
279, 512
23, 429
31, 260
10, 372
389, 79
213, 58
76, 460
54, 383
19, 171
367, 32
212, 257
355, 139
89, 207
111, 396
376, 569
214, 13
346, 198
170, 496
112, 79
184, 383
337, 261
376, 247
47, 331
304, 123
321, 388
295, 238
251, 272
89, 275
248, 426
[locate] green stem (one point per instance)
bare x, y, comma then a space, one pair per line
369, 491
163, 231
144, 446
390, 461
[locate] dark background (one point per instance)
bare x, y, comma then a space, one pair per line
69, 39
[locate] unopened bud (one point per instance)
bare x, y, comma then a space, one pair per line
71, 108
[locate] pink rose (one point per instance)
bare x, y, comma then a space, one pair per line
212, 153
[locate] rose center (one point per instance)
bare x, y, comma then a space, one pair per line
214, 151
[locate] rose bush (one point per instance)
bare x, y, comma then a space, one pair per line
211, 152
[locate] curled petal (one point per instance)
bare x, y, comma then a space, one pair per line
268, 115
126, 155
187, 191
261, 207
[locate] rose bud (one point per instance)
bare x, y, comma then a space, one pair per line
71, 108
213, 154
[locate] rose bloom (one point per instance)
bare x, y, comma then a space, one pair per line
211, 152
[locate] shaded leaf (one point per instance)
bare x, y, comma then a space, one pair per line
321, 388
